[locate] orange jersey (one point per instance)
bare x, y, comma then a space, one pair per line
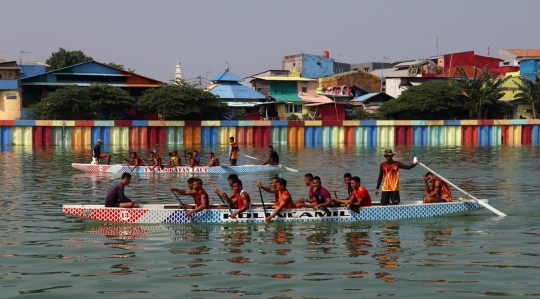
234, 150
282, 195
362, 192
444, 191
390, 181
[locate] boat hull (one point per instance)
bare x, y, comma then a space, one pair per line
171, 214
119, 168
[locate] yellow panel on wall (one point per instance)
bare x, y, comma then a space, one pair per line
385, 135
515, 135
21, 136
120, 136
452, 135
81, 136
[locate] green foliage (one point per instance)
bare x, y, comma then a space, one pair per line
529, 92
181, 100
77, 102
120, 67
239, 114
428, 101
293, 117
484, 91
306, 116
63, 58
361, 114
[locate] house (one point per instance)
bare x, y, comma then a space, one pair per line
309, 66
513, 57
237, 96
370, 102
10, 99
83, 74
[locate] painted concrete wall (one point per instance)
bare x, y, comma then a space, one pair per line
367, 133
315, 66
10, 109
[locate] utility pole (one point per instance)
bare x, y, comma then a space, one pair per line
20, 80
200, 81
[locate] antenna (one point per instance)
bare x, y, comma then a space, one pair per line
20, 58
227, 68
488, 52
437, 46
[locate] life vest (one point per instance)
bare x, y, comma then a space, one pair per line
240, 202
289, 205
197, 199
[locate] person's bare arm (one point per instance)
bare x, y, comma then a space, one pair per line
285, 201
204, 202
267, 189
244, 199
435, 189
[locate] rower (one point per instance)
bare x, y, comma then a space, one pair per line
438, 192
230, 179
389, 177
116, 197
214, 161
196, 158
135, 160
171, 161
233, 151
347, 180
301, 202
176, 159
242, 200
155, 160
97, 155
272, 189
199, 196
359, 196
273, 157
320, 196
284, 201
191, 160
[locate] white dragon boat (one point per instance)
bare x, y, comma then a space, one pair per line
119, 168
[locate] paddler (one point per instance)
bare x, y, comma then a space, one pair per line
176, 159
116, 197
171, 161
301, 202
233, 151
273, 157
154, 160
389, 177
347, 180
135, 160
284, 201
214, 161
359, 195
242, 201
272, 189
196, 158
200, 197
439, 191
97, 155
230, 198
191, 160
320, 196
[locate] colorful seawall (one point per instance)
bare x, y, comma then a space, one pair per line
369, 133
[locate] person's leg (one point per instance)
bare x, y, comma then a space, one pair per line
385, 198
430, 199
128, 205
395, 198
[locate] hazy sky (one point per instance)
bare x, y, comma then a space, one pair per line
253, 36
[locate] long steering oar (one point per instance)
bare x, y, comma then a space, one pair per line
485, 205
262, 202
287, 168
179, 200
226, 202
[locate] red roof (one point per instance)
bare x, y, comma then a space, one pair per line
524, 52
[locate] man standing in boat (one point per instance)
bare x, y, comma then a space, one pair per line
389, 178
116, 197
233, 151
273, 158
284, 201
97, 155
438, 192
359, 195
200, 197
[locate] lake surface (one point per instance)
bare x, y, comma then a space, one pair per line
46, 254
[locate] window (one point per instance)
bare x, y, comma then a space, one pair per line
11, 96
304, 89
290, 108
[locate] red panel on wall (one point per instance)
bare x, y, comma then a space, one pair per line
192, 123
84, 123
332, 112
296, 123
332, 123
403, 135
486, 122
47, 135
156, 135
349, 135
121, 123
526, 134
505, 134
469, 135
138, 136
7, 123
42, 135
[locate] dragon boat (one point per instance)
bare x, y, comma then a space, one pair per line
119, 168
170, 213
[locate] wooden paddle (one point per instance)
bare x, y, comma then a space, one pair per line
287, 168
485, 205
228, 206
262, 201
185, 211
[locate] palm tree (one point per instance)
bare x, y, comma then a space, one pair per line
483, 89
529, 92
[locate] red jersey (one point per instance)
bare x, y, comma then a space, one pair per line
197, 199
444, 191
282, 195
390, 181
362, 192
240, 202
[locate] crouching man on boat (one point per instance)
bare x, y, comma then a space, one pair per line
199, 196
97, 155
284, 200
116, 197
439, 191
359, 196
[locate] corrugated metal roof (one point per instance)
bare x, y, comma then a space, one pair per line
234, 90
392, 72
365, 97
94, 74
243, 104
524, 52
83, 84
409, 63
276, 78
226, 76
292, 98
315, 99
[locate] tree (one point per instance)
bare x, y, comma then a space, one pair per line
483, 89
63, 58
429, 101
120, 67
529, 92
181, 100
98, 101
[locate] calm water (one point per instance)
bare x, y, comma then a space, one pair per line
46, 254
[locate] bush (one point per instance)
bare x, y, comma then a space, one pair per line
239, 114
361, 114
293, 117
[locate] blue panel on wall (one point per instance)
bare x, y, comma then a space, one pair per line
139, 123
5, 135
103, 133
420, 135
485, 135
315, 66
536, 135
372, 135
364, 123
229, 123
9, 84
452, 122
279, 123
25, 123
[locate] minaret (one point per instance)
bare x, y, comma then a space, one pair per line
178, 73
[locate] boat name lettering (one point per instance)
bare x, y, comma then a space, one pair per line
303, 214
179, 169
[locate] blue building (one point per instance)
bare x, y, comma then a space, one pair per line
309, 66
529, 68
